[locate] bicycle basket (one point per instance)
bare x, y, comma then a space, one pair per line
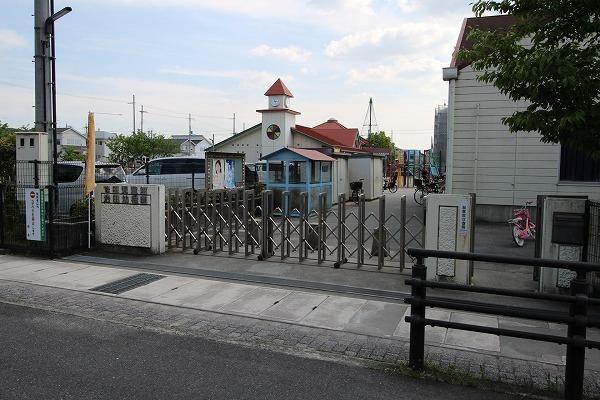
356, 185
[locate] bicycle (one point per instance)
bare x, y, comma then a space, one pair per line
522, 226
357, 190
390, 184
422, 189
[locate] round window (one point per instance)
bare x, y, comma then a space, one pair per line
273, 132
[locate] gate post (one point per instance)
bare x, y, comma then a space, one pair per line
417, 316
285, 203
361, 231
50, 231
245, 221
575, 365
302, 222
230, 194
267, 231
341, 230
213, 218
321, 229
381, 237
402, 232
184, 211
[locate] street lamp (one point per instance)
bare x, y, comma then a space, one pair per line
50, 31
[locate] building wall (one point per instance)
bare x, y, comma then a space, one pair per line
304, 141
249, 143
362, 168
502, 168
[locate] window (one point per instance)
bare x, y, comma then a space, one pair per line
326, 171
198, 166
575, 166
276, 172
297, 171
31, 142
315, 173
22, 142
154, 167
175, 166
66, 173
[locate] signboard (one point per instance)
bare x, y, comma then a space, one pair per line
463, 218
35, 214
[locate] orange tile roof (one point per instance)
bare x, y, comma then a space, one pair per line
278, 88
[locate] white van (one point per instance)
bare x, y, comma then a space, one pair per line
172, 172
70, 177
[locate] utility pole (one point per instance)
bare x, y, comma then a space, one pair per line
190, 134
234, 123
142, 112
133, 102
43, 93
370, 121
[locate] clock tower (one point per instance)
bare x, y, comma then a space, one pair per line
278, 119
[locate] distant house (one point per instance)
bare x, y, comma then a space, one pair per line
102, 150
196, 146
69, 136
504, 169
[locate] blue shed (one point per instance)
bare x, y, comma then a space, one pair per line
299, 170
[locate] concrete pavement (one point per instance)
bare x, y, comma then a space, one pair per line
351, 316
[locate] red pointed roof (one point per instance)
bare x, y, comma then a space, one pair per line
334, 136
278, 88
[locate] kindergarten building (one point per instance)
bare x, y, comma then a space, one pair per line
324, 158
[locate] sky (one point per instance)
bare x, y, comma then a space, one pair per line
214, 58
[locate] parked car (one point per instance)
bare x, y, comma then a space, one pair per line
172, 172
70, 176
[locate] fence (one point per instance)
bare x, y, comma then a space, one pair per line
238, 222
577, 319
65, 219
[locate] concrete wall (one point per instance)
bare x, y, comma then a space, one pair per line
362, 168
483, 157
131, 217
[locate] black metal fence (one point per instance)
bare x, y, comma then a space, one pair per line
577, 319
593, 245
65, 220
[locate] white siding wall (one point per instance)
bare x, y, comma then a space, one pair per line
510, 168
300, 140
249, 143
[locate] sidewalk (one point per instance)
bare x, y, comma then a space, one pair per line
349, 326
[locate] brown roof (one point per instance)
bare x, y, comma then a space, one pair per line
490, 23
311, 154
278, 88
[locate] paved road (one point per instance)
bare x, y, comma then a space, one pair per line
56, 356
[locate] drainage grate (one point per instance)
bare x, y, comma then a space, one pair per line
125, 284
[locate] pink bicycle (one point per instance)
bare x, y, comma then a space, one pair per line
522, 226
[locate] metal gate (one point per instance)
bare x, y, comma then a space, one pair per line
237, 222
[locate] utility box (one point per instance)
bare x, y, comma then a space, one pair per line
31, 146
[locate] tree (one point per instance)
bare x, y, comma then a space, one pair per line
68, 153
550, 57
128, 149
380, 139
8, 150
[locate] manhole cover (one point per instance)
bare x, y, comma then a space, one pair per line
125, 284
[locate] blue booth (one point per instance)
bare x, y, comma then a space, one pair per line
299, 170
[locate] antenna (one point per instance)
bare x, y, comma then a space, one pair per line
370, 123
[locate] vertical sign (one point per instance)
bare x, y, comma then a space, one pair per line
218, 178
229, 180
35, 215
463, 217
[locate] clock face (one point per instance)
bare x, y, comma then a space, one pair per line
275, 102
273, 132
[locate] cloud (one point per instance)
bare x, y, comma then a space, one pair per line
247, 78
413, 35
11, 39
290, 53
402, 69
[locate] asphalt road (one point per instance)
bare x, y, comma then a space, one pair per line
46, 355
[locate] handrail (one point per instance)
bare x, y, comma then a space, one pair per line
577, 318
534, 262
